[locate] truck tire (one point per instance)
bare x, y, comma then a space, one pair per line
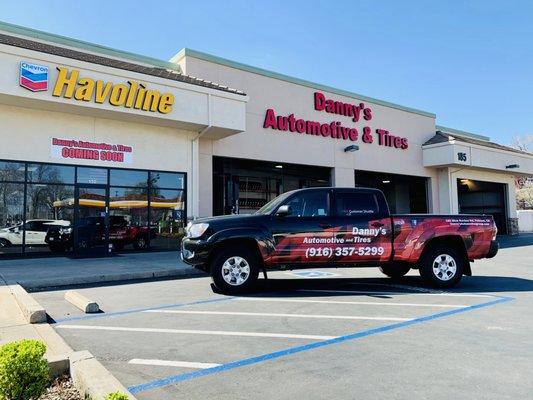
395, 271
235, 269
4, 243
442, 266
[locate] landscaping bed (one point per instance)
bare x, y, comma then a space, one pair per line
61, 388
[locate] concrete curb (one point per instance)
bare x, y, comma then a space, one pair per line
92, 378
33, 312
81, 302
59, 365
83, 280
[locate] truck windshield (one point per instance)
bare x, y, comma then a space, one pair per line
273, 204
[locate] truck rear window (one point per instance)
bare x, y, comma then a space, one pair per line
351, 204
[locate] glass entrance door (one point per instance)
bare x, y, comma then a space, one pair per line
91, 228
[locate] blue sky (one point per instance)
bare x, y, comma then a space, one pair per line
469, 62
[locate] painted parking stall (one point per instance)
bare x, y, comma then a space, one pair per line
188, 340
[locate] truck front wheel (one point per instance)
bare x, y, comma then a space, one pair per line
442, 266
395, 271
235, 270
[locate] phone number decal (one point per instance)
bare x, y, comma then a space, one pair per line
343, 251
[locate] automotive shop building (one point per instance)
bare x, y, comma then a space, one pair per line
104, 150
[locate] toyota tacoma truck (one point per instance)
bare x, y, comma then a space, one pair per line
336, 227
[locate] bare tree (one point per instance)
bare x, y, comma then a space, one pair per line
523, 142
524, 184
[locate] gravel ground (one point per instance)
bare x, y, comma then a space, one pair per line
61, 389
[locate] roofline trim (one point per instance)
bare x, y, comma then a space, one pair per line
478, 146
92, 47
458, 132
271, 74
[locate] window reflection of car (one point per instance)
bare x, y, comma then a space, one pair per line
36, 230
91, 232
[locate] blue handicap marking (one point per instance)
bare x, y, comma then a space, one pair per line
312, 274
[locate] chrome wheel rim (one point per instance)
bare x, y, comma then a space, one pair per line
444, 267
235, 271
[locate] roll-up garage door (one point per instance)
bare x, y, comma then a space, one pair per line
478, 197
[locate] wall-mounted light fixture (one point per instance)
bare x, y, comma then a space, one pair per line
351, 148
279, 166
386, 181
512, 166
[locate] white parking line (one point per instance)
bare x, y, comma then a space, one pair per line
364, 303
393, 293
419, 289
166, 363
195, 332
252, 314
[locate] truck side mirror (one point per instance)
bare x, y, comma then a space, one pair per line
284, 210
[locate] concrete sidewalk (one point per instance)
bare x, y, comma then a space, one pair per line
13, 326
33, 273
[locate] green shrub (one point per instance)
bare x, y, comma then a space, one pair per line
23, 371
117, 396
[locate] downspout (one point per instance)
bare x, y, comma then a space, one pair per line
195, 163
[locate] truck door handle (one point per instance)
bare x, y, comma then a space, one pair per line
376, 224
324, 226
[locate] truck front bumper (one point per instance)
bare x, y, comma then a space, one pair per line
493, 250
195, 252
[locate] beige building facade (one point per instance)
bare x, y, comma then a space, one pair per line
148, 144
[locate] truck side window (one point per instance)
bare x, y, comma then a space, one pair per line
351, 204
310, 204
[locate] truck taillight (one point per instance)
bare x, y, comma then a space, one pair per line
495, 232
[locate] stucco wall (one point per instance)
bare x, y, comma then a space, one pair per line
27, 133
287, 98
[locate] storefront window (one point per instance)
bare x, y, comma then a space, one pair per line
50, 173
122, 177
167, 180
12, 171
11, 217
128, 218
167, 209
92, 175
38, 209
48, 208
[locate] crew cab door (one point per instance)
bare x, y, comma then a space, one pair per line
295, 234
361, 218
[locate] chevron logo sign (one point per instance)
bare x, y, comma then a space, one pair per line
33, 77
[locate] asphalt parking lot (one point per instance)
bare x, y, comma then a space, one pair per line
345, 334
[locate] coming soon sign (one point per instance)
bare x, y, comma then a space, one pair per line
66, 149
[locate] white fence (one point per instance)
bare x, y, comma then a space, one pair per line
525, 220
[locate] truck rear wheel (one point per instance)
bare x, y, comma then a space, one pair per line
395, 271
235, 270
442, 266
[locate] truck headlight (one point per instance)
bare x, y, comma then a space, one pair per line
196, 230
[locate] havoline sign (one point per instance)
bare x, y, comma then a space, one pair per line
131, 94
70, 84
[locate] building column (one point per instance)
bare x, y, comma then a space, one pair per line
343, 177
445, 192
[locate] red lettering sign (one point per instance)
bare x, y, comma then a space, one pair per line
334, 129
84, 150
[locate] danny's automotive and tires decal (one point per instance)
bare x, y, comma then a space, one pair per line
374, 240
342, 244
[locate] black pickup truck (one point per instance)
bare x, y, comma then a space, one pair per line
336, 227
